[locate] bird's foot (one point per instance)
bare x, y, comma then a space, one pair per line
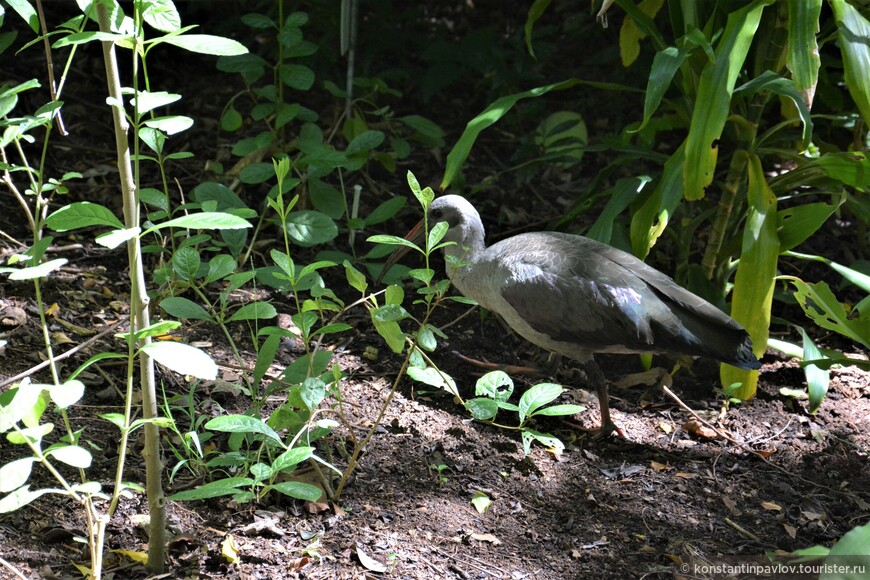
608, 429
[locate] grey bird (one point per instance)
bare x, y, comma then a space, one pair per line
576, 297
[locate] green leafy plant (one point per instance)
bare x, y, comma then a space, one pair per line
736, 84
495, 388
23, 407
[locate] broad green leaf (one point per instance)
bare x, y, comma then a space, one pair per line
310, 228
481, 408
291, 458
265, 356
162, 15
297, 371
850, 553
21, 497
83, 37
218, 488
536, 397
115, 238
854, 276
854, 38
204, 44
496, 385
796, 224
170, 125
220, 267
298, 490
186, 262
355, 278
207, 220
82, 214
25, 10
296, 76
392, 333
146, 101
820, 304
385, 211
66, 394
243, 424
254, 311
426, 132
559, 410
365, 142
15, 473
392, 241
713, 102
544, 439
179, 307
24, 400
435, 378
183, 359
71, 455
756, 275
154, 329
394, 295
665, 65
40, 271
257, 173
631, 32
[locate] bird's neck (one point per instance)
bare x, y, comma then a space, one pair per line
464, 253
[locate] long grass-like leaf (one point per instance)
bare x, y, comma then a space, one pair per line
495, 111
854, 36
803, 51
713, 103
756, 274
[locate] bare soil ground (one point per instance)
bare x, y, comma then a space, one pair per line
665, 502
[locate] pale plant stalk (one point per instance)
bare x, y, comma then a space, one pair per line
139, 318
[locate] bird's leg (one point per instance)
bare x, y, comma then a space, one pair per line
596, 377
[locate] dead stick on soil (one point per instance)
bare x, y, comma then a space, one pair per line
748, 449
743, 531
12, 569
62, 356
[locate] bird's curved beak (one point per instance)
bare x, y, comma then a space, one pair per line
416, 236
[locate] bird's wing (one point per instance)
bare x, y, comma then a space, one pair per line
580, 291
571, 293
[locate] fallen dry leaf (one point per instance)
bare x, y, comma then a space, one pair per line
698, 429
769, 505
486, 538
